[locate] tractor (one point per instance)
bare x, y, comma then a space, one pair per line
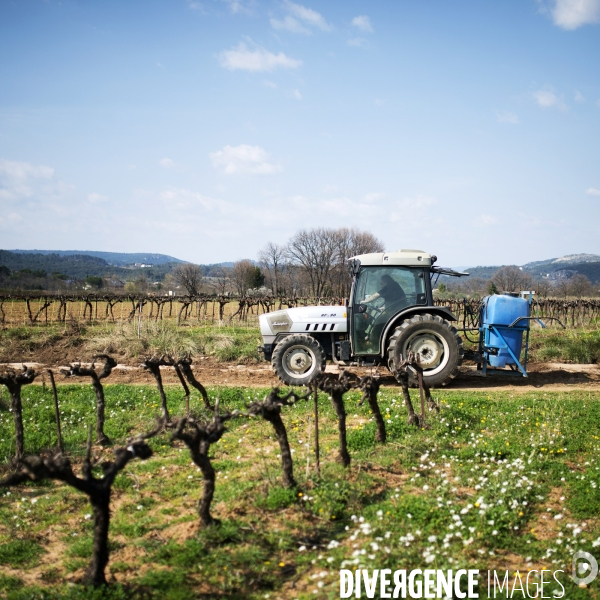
389, 313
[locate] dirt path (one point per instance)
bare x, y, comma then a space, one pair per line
547, 376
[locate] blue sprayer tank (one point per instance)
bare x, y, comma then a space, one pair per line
502, 310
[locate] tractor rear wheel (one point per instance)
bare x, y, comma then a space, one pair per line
298, 359
436, 342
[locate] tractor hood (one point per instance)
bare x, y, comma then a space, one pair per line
304, 319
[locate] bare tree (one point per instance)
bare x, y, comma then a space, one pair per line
190, 277
315, 250
320, 256
272, 258
580, 285
223, 281
562, 287
351, 242
245, 275
512, 279
543, 287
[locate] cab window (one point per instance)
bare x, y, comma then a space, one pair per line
380, 293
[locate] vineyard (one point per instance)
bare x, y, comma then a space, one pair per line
181, 490
188, 492
38, 309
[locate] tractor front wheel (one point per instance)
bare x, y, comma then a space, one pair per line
298, 359
436, 342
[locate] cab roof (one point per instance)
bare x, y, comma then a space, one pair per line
405, 258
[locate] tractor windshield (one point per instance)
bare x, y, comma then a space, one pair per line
380, 293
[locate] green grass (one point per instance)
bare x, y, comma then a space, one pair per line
578, 346
501, 480
19, 553
230, 344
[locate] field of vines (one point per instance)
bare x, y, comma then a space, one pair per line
41, 309
181, 492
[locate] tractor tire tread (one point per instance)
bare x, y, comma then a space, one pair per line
291, 340
427, 318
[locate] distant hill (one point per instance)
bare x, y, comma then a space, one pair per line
120, 259
77, 266
80, 266
584, 264
45, 270
483, 272
564, 261
590, 269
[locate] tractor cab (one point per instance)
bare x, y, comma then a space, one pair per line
378, 294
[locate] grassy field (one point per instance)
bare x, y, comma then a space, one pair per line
504, 481
236, 343
125, 341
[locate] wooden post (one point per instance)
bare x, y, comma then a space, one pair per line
186, 389
56, 411
317, 450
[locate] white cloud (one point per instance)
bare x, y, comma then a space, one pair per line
10, 218
35, 205
579, 97
309, 16
167, 163
243, 159
546, 98
22, 170
24, 180
270, 84
183, 199
237, 6
95, 198
571, 14
419, 201
196, 6
486, 220
290, 24
592, 192
363, 23
358, 42
296, 94
410, 211
504, 116
259, 59
374, 197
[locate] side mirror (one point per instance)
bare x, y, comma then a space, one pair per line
362, 308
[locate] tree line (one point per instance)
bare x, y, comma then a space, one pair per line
512, 278
313, 262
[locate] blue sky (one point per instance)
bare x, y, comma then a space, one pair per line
206, 128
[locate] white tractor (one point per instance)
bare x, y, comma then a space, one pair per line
389, 313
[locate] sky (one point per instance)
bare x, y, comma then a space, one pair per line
204, 129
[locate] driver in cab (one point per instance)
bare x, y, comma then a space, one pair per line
390, 291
